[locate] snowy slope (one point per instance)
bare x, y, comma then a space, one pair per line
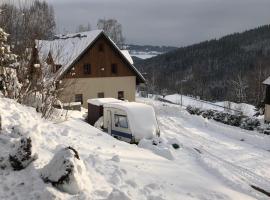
121, 171
240, 158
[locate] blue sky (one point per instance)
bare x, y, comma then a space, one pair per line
166, 22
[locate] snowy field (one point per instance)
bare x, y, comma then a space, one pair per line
214, 161
246, 109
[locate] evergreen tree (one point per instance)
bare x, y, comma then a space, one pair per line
8, 62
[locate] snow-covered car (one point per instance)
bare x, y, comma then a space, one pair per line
127, 121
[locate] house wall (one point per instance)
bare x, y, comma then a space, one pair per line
90, 87
101, 62
101, 78
267, 113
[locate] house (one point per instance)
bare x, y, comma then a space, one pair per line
267, 100
90, 65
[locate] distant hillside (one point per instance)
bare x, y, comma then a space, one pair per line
230, 68
147, 51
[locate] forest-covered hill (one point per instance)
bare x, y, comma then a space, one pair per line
229, 68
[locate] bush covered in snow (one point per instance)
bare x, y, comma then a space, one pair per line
194, 110
22, 155
250, 123
227, 118
66, 171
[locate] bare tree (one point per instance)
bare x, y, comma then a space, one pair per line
113, 29
27, 21
239, 87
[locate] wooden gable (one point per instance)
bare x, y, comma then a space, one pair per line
103, 59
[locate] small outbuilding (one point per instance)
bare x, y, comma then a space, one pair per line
267, 100
95, 108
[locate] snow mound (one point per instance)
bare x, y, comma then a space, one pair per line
66, 172
158, 147
118, 195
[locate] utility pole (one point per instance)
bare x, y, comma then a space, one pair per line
181, 90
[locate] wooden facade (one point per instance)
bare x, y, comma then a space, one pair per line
103, 61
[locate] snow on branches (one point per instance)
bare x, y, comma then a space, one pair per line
9, 83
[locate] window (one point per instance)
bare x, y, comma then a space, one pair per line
79, 98
100, 48
120, 121
100, 95
267, 95
87, 69
58, 67
114, 68
121, 95
1, 85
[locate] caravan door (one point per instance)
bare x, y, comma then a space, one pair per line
109, 121
120, 126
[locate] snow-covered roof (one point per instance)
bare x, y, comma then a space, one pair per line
128, 56
141, 118
267, 81
102, 101
66, 49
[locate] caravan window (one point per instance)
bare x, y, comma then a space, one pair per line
120, 121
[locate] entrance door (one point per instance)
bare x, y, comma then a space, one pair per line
109, 121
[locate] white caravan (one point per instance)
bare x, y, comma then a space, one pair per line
127, 121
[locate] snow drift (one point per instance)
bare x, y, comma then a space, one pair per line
66, 171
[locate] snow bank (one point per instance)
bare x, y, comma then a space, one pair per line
118, 170
156, 147
66, 172
118, 195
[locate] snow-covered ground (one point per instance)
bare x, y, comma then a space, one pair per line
214, 161
246, 109
144, 55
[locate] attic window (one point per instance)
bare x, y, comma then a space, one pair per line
87, 69
100, 47
114, 68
